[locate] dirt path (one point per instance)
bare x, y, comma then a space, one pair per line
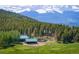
38, 44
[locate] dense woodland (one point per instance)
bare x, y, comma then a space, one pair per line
12, 25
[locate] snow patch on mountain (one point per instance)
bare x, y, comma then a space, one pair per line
40, 8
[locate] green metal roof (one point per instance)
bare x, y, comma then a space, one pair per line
31, 40
24, 37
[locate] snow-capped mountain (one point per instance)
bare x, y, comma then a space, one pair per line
40, 8
59, 14
67, 18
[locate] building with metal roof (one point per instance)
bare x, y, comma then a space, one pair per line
27, 39
31, 40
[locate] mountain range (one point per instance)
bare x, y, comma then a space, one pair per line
58, 14
67, 17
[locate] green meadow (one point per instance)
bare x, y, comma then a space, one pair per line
49, 48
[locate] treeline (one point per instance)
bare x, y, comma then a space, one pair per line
24, 25
70, 35
9, 38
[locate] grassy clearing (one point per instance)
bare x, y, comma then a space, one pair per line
50, 48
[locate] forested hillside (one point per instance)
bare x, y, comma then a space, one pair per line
24, 25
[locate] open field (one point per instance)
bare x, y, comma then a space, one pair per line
49, 48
